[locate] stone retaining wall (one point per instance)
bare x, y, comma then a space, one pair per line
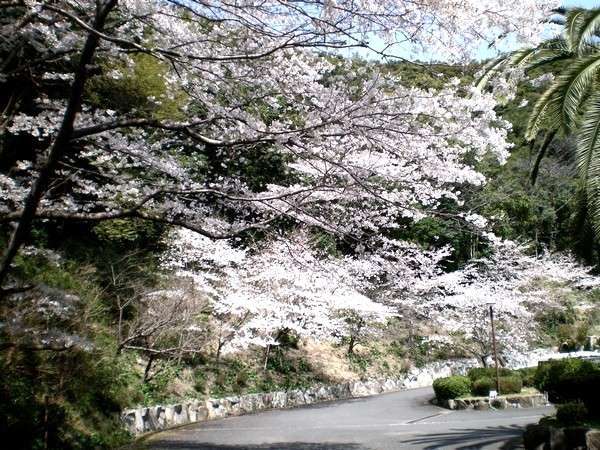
502, 402
155, 418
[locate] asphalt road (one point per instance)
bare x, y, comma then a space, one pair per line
402, 420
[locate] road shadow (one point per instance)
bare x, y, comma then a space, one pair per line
505, 437
183, 445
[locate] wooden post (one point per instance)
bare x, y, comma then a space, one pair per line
494, 349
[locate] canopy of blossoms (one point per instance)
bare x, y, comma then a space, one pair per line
356, 149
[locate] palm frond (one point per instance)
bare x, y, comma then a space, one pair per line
588, 137
588, 27
576, 82
546, 113
546, 52
560, 105
490, 70
573, 25
592, 190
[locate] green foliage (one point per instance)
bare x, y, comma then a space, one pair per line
291, 373
141, 86
483, 386
435, 232
528, 376
569, 105
572, 336
42, 405
430, 76
287, 338
550, 320
326, 242
72, 396
512, 384
569, 380
200, 380
552, 213
260, 166
451, 387
232, 378
359, 361
565, 326
571, 413
510, 381
488, 372
130, 231
65, 275
236, 376
543, 214
154, 390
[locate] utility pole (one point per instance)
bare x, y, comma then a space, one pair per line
494, 348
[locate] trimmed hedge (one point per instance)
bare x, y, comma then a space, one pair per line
451, 387
476, 373
510, 385
570, 380
483, 386
528, 376
572, 413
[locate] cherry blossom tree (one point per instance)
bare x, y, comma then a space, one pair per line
168, 325
283, 285
352, 151
512, 281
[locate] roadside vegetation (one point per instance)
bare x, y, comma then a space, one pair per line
479, 382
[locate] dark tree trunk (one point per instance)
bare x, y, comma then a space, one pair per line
351, 345
60, 145
148, 369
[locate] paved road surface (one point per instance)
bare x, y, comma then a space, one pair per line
402, 420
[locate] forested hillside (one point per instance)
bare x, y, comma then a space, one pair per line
196, 201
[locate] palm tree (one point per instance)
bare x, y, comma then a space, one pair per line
571, 103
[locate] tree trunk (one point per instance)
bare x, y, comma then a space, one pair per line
46, 414
267, 351
148, 368
218, 353
60, 145
351, 345
483, 360
120, 330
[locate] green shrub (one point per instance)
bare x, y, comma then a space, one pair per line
241, 381
572, 337
510, 385
551, 319
477, 373
571, 413
451, 387
483, 386
200, 380
528, 376
570, 380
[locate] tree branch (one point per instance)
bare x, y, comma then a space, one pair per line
60, 144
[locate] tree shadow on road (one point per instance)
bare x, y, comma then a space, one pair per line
183, 445
504, 437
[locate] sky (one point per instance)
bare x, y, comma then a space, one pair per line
482, 53
584, 3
